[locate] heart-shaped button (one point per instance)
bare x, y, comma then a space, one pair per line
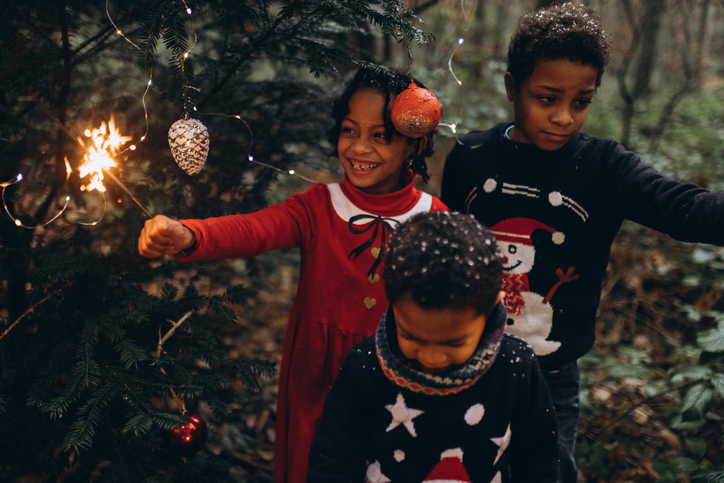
375, 252
369, 303
375, 279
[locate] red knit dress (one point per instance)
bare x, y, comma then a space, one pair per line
341, 232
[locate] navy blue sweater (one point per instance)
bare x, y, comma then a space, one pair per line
556, 213
386, 421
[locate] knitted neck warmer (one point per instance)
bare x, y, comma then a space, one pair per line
401, 372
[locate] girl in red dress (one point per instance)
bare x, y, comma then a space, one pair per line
341, 230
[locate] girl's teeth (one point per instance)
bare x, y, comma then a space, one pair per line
364, 167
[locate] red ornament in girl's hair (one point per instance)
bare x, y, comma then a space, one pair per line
415, 111
187, 438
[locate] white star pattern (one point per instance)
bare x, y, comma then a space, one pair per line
502, 443
399, 455
402, 415
374, 474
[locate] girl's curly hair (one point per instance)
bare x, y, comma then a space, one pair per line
390, 83
559, 31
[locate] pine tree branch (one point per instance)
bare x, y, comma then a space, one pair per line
32, 309
161, 340
257, 45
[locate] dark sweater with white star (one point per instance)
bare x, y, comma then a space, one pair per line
384, 420
563, 209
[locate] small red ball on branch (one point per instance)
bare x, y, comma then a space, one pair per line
415, 112
187, 438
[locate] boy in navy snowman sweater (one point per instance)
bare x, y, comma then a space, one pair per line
555, 198
440, 393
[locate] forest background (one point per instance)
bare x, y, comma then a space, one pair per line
98, 346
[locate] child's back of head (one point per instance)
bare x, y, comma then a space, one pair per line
443, 260
560, 31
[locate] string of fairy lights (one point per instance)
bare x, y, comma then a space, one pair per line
105, 143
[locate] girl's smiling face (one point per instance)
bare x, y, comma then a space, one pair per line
370, 161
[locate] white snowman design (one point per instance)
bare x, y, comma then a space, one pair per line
530, 315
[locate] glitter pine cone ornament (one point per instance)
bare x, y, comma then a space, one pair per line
189, 143
187, 438
415, 112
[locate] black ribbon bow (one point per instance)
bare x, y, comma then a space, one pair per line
378, 221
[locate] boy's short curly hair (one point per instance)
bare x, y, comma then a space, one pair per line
560, 31
390, 83
444, 260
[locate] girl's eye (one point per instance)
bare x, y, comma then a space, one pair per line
548, 99
381, 138
583, 103
346, 130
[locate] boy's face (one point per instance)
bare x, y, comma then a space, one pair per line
437, 339
552, 104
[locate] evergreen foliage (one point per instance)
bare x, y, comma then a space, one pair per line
86, 387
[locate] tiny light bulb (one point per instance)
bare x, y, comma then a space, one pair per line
251, 158
119, 32
133, 147
195, 108
67, 198
291, 171
149, 82
186, 55
460, 41
460, 83
18, 222
188, 10
88, 132
20, 177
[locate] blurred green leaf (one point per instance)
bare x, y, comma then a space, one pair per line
697, 445
696, 402
712, 340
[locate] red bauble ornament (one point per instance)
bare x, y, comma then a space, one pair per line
187, 438
415, 112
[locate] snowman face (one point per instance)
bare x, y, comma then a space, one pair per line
519, 258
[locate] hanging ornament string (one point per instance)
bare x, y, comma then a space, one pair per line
249, 157
461, 40
148, 84
449, 61
18, 178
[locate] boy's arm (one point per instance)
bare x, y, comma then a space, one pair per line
684, 211
338, 451
534, 454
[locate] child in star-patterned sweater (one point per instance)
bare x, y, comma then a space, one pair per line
440, 392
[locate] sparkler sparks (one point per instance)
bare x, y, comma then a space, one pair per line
106, 144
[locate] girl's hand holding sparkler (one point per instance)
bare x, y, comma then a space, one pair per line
162, 235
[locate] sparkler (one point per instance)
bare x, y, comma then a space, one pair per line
106, 142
